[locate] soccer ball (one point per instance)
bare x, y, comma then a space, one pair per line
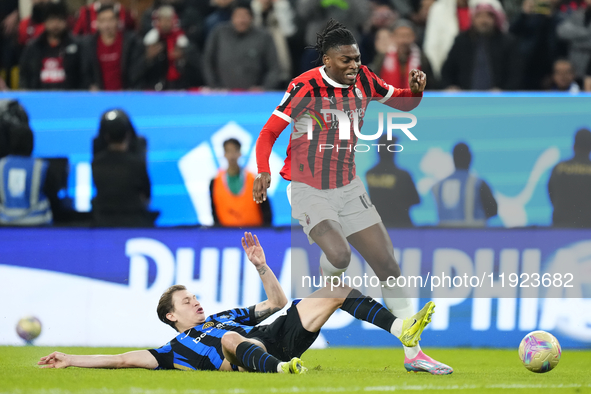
28, 328
539, 351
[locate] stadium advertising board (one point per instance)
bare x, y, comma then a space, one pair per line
185, 133
105, 284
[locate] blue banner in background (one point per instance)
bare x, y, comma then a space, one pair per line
515, 140
113, 279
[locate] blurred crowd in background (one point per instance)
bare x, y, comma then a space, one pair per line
261, 44
256, 45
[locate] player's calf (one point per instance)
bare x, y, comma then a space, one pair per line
249, 355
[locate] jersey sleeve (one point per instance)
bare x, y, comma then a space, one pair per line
244, 316
402, 99
267, 137
294, 103
164, 356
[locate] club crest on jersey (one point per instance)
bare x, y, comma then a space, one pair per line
358, 92
307, 218
207, 325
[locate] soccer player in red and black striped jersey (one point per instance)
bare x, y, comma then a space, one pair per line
327, 197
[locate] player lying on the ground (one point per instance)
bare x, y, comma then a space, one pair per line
229, 341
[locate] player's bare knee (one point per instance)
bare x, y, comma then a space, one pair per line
231, 340
340, 258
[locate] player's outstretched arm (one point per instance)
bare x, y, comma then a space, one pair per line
135, 359
404, 99
264, 145
276, 298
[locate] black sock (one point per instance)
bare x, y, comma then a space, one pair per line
368, 309
256, 359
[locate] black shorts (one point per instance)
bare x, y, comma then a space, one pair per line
285, 338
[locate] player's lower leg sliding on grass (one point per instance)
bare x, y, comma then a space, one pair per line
252, 356
375, 246
314, 311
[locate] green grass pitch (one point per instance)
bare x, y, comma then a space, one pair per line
333, 370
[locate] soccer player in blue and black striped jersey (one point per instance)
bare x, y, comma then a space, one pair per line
233, 340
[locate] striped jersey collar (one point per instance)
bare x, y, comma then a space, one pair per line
330, 81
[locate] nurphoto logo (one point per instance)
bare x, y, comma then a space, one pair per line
342, 120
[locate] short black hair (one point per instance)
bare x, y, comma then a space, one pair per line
106, 7
232, 141
242, 4
334, 35
462, 156
115, 126
583, 141
21, 140
56, 10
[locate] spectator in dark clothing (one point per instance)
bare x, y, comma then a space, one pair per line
576, 30
482, 58
86, 19
391, 189
109, 55
122, 183
563, 77
191, 17
239, 56
464, 200
12, 114
277, 17
137, 145
382, 17
8, 16
569, 187
53, 60
8, 29
9, 50
170, 62
32, 26
538, 43
221, 13
231, 194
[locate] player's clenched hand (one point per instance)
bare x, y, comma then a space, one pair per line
254, 250
259, 189
54, 360
417, 80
